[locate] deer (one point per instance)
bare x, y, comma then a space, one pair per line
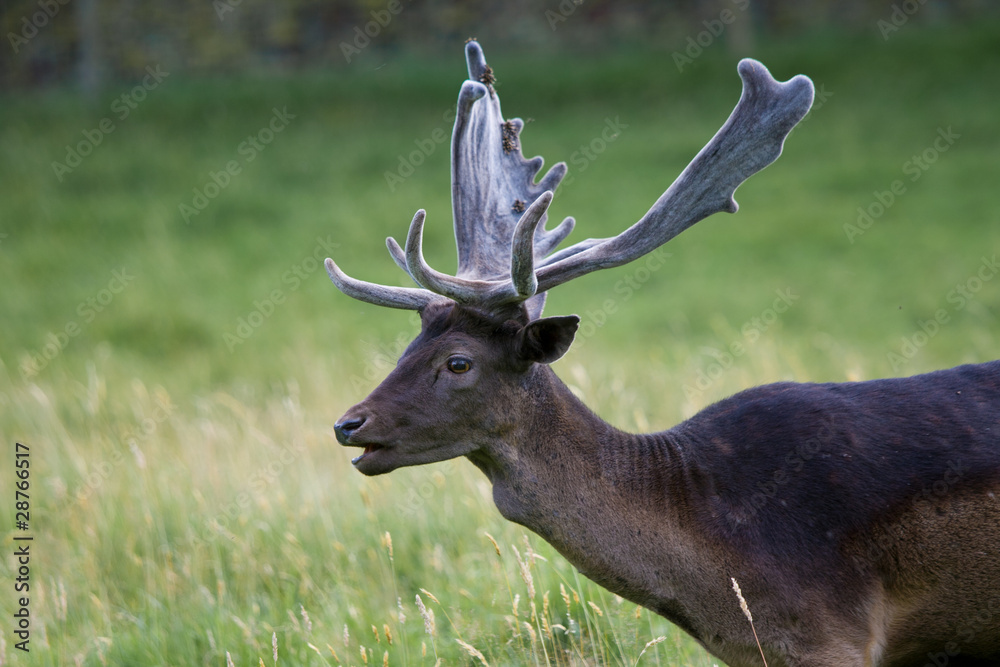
879, 542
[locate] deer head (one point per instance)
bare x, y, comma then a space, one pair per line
462, 385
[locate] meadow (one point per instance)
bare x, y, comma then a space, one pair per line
173, 354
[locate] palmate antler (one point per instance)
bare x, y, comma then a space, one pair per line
503, 247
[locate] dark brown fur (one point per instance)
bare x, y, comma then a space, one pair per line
862, 520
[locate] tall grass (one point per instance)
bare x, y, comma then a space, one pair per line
189, 501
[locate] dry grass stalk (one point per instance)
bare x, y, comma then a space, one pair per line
305, 618
652, 642
525, 572
274, 645
229, 660
333, 653
597, 610
387, 632
428, 619
495, 545
531, 631
473, 651
378, 640
746, 612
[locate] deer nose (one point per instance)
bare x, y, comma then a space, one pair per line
346, 429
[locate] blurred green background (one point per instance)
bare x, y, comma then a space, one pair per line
172, 352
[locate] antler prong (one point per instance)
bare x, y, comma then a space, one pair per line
548, 242
458, 289
408, 298
397, 254
522, 259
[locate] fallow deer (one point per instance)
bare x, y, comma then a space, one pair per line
881, 545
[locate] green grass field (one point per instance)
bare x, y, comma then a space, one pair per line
187, 496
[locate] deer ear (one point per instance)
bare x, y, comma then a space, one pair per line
547, 339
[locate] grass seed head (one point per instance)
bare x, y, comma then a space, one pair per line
496, 546
305, 619
743, 603
652, 642
473, 651
426, 615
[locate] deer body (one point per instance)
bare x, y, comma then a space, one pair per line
862, 520
842, 558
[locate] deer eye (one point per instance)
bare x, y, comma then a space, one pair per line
459, 365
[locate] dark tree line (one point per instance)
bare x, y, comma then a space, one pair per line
88, 42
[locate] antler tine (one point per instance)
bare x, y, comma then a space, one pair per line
751, 139
522, 255
407, 298
462, 290
521, 284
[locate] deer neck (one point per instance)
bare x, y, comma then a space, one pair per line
607, 500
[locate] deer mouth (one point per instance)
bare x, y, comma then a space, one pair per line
370, 448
